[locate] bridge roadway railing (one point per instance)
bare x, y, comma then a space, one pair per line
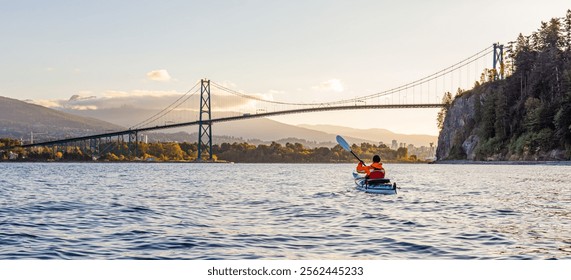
227, 119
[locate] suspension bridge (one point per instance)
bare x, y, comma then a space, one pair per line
208, 103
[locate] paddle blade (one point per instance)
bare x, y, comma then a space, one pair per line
343, 143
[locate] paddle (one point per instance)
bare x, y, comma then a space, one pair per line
346, 147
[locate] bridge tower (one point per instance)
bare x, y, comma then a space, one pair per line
498, 61
133, 143
204, 124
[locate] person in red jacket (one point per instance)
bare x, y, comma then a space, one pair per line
375, 170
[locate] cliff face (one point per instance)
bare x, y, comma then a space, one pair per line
457, 139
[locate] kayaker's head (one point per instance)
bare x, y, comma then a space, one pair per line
376, 158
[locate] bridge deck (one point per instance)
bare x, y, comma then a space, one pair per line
227, 119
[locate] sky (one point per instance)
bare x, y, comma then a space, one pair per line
294, 51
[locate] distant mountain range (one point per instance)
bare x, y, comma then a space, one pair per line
376, 135
18, 119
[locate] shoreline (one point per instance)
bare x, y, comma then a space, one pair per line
505, 162
452, 162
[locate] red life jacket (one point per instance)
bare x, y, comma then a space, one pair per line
377, 174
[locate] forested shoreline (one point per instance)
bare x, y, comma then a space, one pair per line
187, 152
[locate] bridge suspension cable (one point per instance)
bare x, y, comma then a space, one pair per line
169, 108
428, 78
412, 84
237, 93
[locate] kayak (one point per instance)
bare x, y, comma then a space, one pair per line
379, 186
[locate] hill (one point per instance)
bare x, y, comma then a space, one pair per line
19, 119
376, 135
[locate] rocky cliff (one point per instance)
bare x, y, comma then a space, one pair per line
460, 137
457, 139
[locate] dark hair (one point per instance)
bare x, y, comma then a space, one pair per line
376, 158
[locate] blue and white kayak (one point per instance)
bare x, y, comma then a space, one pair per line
379, 186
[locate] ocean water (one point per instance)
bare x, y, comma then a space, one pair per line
282, 211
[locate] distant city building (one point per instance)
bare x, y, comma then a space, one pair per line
422, 152
410, 147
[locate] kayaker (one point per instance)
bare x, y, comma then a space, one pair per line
375, 170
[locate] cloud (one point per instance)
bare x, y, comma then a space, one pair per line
330, 85
113, 99
160, 75
46, 103
82, 108
81, 96
143, 99
139, 93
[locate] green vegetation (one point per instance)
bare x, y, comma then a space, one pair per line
236, 152
297, 153
528, 113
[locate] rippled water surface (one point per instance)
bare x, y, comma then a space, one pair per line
282, 211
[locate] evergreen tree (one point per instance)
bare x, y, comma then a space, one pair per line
567, 24
447, 101
501, 115
488, 122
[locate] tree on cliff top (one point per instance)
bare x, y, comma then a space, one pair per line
447, 101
